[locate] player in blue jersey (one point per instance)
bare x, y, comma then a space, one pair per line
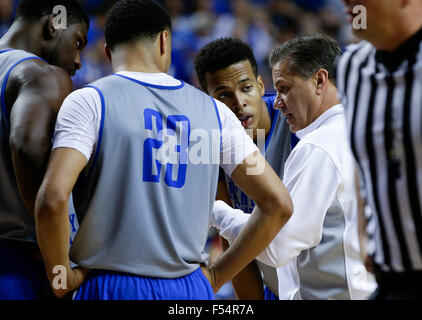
227, 70
144, 217
38, 54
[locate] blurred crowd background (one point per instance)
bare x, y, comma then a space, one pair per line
260, 23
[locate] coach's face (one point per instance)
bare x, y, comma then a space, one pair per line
296, 97
239, 89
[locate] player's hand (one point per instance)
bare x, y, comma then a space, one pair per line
210, 274
75, 277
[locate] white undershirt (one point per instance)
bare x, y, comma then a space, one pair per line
79, 118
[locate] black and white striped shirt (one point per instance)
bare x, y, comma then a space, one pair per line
382, 93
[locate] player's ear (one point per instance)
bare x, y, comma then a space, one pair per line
50, 30
107, 52
261, 85
165, 43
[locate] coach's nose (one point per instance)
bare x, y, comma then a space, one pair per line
279, 101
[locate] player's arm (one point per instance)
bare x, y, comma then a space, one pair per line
247, 283
222, 192
51, 216
74, 140
42, 89
273, 209
306, 168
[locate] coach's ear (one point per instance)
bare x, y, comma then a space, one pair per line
107, 52
321, 80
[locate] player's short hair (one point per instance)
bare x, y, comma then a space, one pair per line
130, 20
306, 55
34, 10
220, 54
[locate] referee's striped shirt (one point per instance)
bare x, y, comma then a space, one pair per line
382, 93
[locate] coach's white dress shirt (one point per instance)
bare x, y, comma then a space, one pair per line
319, 173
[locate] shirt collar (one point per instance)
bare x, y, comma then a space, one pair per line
393, 59
331, 112
151, 78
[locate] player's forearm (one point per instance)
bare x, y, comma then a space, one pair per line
262, 226
248, 283
53, 233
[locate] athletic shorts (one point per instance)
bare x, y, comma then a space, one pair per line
111, 285
269, 295
22, 277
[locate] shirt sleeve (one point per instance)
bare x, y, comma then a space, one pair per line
78, 122
237, 145
312, 180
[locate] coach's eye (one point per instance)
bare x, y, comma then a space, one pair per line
284, 89
78, 44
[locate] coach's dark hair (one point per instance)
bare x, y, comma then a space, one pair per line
220, 54
130, 20
35, 9
306, 55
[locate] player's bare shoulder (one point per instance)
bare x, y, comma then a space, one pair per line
38, 77
36, 71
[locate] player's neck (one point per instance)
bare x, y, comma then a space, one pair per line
22, 36
136, 59
264, 122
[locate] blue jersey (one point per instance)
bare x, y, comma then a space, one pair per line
278, 145
21, 276
277, 149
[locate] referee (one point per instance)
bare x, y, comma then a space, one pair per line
380, 82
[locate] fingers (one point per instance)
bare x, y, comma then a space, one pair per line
82, 272
75, 278
206, 274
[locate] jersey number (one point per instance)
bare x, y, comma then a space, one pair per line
152, 163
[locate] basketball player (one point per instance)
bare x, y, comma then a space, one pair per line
227, 70
36, 60
144, 218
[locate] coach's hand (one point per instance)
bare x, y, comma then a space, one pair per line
62, 285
